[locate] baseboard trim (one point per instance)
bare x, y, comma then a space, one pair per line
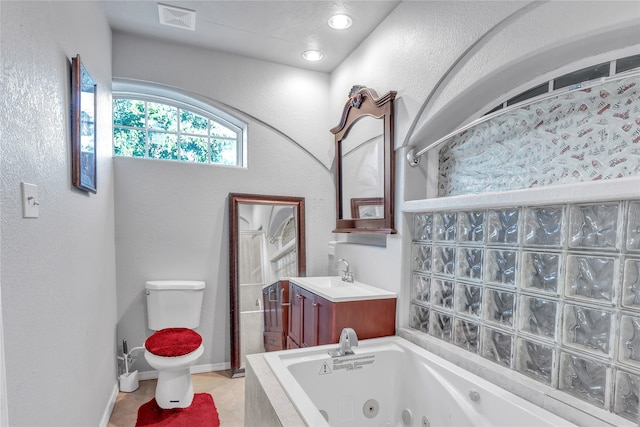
104, 421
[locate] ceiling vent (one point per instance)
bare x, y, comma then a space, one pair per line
177, 17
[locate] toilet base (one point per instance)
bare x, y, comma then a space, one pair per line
174, 389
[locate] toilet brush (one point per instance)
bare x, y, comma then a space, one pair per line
128, 380
125, 353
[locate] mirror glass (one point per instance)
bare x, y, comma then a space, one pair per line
363, 170
364, 163
266, 244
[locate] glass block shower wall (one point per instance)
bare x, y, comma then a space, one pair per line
552, 292
287, 265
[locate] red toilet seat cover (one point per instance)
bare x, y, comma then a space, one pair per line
173, 342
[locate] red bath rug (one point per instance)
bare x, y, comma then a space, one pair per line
201, 413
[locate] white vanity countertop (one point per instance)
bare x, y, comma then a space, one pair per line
334, 289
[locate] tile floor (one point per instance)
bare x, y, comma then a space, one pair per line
227, 392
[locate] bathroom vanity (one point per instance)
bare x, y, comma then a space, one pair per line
320, 307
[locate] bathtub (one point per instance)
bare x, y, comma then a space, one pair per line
393, 382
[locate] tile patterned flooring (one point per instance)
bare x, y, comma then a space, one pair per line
227, 392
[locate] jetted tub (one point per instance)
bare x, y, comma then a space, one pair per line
393, 382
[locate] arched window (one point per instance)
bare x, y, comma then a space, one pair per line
159, 124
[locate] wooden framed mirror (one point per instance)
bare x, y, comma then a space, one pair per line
266, 244
364, 163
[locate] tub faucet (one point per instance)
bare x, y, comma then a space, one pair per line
347, 276
348, 339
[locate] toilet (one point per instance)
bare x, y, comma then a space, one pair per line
173, 311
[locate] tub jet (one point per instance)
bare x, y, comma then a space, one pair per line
370, 408
407, 417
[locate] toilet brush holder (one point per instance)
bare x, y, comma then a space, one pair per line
129, 382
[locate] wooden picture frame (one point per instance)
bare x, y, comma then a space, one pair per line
364, 102
83, 127
367, 207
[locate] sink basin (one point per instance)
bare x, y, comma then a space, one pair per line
334, 289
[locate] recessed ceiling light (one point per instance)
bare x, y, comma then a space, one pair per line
312, 55
340, 22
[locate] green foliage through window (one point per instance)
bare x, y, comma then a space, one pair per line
143, 128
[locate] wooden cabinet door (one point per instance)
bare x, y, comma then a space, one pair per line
283, 314
273, 341
310, 319
270, 308
276, 315
295, 313
291, 343
326, 320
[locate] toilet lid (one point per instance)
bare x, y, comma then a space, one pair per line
173, 342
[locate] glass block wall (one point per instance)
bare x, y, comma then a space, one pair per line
552, 292
578, 136
287, 265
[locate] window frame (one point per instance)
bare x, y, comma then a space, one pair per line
136, 91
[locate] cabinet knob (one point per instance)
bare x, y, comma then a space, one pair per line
315, 304
298, 296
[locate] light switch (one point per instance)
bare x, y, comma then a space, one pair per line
30, 204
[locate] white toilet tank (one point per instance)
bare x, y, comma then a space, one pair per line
174, 303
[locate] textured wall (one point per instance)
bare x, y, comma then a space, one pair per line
58, 271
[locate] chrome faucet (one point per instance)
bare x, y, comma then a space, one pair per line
348, 339
347, 276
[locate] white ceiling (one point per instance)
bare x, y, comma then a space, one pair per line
275, 31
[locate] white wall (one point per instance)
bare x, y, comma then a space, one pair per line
448, 61
4, 410
58, 271
172, 219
